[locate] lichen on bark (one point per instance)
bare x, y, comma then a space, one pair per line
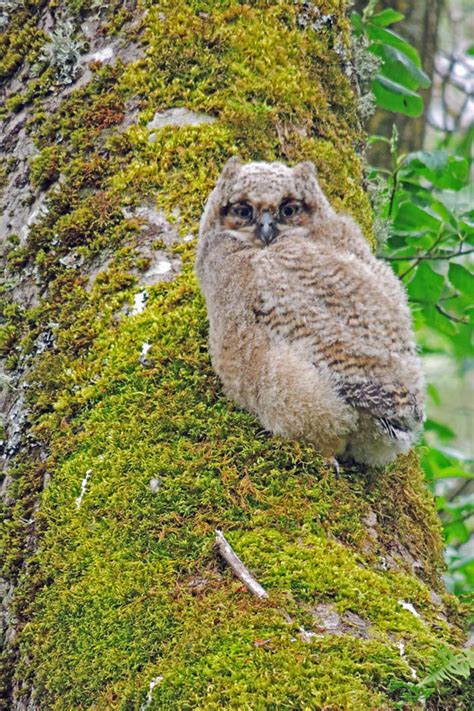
131, 456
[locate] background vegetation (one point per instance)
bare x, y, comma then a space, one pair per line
423, 202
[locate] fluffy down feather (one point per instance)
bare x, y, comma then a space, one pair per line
308, 330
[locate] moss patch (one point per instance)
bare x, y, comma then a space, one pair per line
21, 40
129, 578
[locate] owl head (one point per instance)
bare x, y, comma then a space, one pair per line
261, 203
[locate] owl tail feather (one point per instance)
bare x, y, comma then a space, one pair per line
394, 429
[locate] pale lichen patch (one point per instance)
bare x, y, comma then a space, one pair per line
177, 117
87, 476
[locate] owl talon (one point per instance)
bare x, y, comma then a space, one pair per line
333, 464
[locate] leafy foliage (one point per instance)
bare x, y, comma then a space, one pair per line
426, 224
430, 231
400, 74
447, 667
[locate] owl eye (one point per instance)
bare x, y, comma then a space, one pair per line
242, 210
289, 209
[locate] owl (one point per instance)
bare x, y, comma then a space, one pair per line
307, 329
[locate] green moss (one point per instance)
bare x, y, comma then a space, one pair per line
3, 178
121, 568
46, 167
272, 88
17, 257
124, 584
37, 88
22, 40
246, 656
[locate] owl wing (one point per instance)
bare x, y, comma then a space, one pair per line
298, 308
384, 405
351, 371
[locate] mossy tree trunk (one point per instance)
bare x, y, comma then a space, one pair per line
122, 456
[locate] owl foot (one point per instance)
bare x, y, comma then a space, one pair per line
333, 464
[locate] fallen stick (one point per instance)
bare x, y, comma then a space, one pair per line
243, 573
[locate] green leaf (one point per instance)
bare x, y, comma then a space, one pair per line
440, 168
461, 279
379, 34
426, 286
466, 225
374, 138
468, 218
466, 562
436, 460
444, 432
400, 68
394, 97
387, 17
434, 394
411, 218
448, 666
455, 471
470, 315
419, 241
438, 322
437, 208
456, 532
356, 21
461, 344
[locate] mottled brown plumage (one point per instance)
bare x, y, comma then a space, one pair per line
308, 330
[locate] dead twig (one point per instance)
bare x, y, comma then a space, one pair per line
243, 573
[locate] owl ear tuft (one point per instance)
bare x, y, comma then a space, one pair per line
307, 169
231, 168
307, 181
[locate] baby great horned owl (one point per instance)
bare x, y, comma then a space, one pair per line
308, 330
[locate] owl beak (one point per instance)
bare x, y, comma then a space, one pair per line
266, 228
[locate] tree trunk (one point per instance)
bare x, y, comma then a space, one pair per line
122, 456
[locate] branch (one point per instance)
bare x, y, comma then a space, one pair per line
393, 191
458, 489
451, 317
243, 573
420, 258
438, 239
